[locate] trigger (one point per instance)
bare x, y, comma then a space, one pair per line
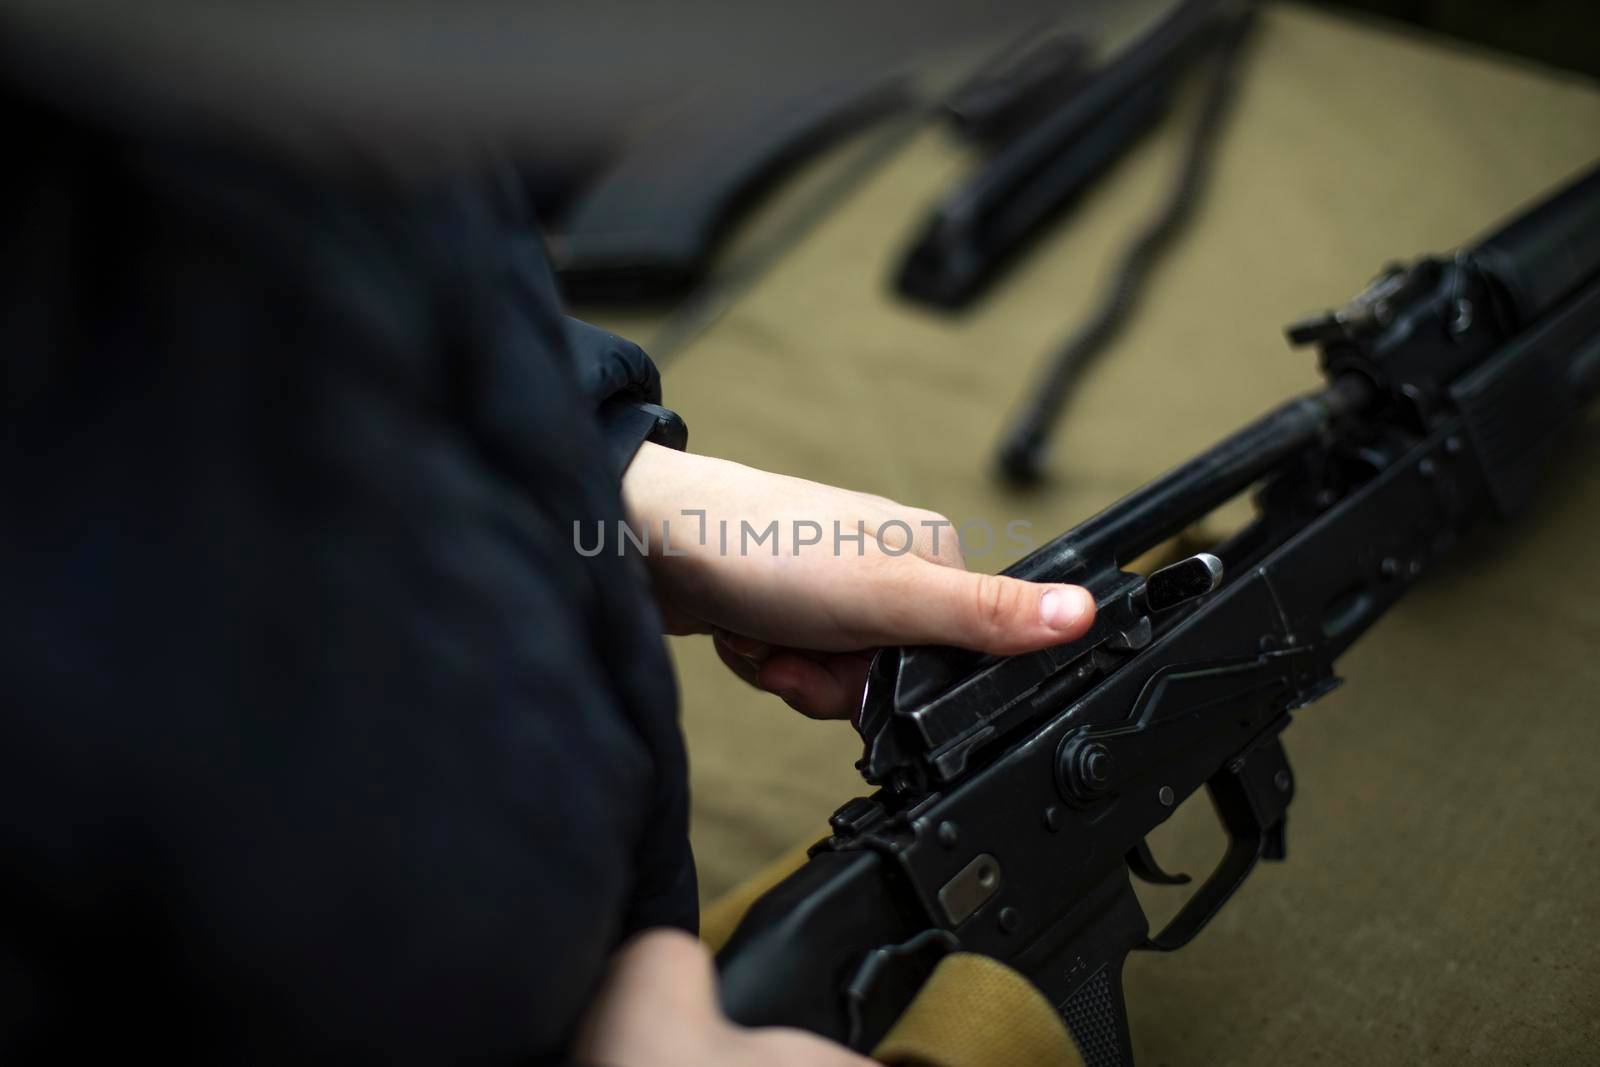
1142, 862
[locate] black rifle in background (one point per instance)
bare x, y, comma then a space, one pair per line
1022, 453
1016, 793
1039, 70
979, 227
647, 228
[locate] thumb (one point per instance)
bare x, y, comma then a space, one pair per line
999, 615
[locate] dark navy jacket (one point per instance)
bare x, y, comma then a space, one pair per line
319, 739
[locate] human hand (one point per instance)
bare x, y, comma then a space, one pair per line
657, 1007
796, 617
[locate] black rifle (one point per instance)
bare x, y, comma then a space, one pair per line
978, 228
1017, 792
1014, 89
648, 227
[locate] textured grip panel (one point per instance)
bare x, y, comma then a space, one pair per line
1094, 1016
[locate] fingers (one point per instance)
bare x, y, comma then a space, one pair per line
986, 612
828, 687
748, 647
932, 536
736, 663
819, 686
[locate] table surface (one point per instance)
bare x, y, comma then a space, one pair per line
1439, 903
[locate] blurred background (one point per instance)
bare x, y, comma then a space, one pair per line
1008, 262
1438, 904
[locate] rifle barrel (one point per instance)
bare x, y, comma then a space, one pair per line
1148, 516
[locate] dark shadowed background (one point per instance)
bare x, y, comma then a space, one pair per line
1439, 902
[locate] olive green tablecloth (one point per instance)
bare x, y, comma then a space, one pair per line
1440, 902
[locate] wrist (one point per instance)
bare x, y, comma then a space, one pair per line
648, 485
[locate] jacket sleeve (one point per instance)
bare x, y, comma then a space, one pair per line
625, 388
